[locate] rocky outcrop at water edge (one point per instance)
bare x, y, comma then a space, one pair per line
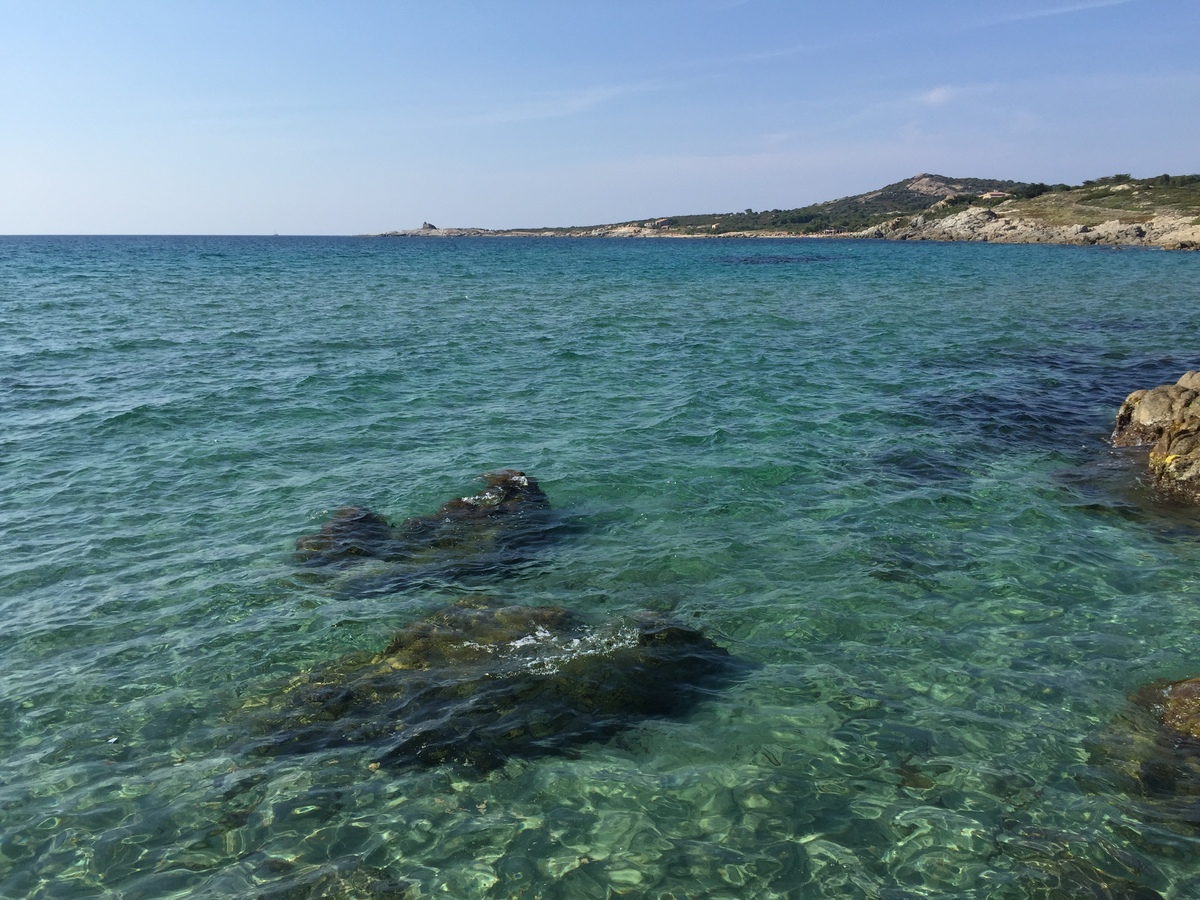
998, 225
1168, 417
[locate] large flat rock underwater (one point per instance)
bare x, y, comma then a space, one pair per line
488, 533
478, 682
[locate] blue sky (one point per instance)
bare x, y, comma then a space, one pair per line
254, 117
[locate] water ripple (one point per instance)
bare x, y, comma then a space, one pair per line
879, 471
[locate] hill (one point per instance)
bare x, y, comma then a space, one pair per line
1160, 211
910, 196
1163, 212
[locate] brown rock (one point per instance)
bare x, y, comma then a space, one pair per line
1151, 751
1180, 705
1190, 380
1168, 417
1146, 415
1175, 461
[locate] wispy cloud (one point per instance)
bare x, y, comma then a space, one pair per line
1057, 11
937, 96
871, 37
551, 105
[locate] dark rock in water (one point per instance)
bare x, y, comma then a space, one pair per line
481, 533
1066, 864
1074, 879
337, 881
353, 531
1152, 752
476, 683
1168, 417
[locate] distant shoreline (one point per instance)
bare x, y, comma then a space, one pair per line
588, 233
1173, 234
1162, 212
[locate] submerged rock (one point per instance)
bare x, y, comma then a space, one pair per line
353, 531
1077, 879
1168, 417
335, 881
1152, 752
1179, 706
476, 683
1055, 864
480, 533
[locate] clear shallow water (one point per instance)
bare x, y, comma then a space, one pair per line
877, 472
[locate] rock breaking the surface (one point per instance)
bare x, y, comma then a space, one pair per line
486, 533
478, 682
1168, 418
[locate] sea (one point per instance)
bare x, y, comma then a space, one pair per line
876, 474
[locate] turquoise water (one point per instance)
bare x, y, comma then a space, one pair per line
877, 473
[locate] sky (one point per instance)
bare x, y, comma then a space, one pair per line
353, 117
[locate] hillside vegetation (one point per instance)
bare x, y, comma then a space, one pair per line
850, 213
1120, 197
1163, 211
932, 197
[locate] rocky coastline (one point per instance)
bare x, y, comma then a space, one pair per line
600, 231
995, 225
1161, 212
1167, 419
1004, 224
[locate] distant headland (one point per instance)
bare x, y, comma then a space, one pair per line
1163, 211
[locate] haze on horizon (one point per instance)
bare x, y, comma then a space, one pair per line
139, 117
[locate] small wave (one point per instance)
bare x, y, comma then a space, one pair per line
771, 260
541, 652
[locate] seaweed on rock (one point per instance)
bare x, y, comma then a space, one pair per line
476, 683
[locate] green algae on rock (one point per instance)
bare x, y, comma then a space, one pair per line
476, 683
